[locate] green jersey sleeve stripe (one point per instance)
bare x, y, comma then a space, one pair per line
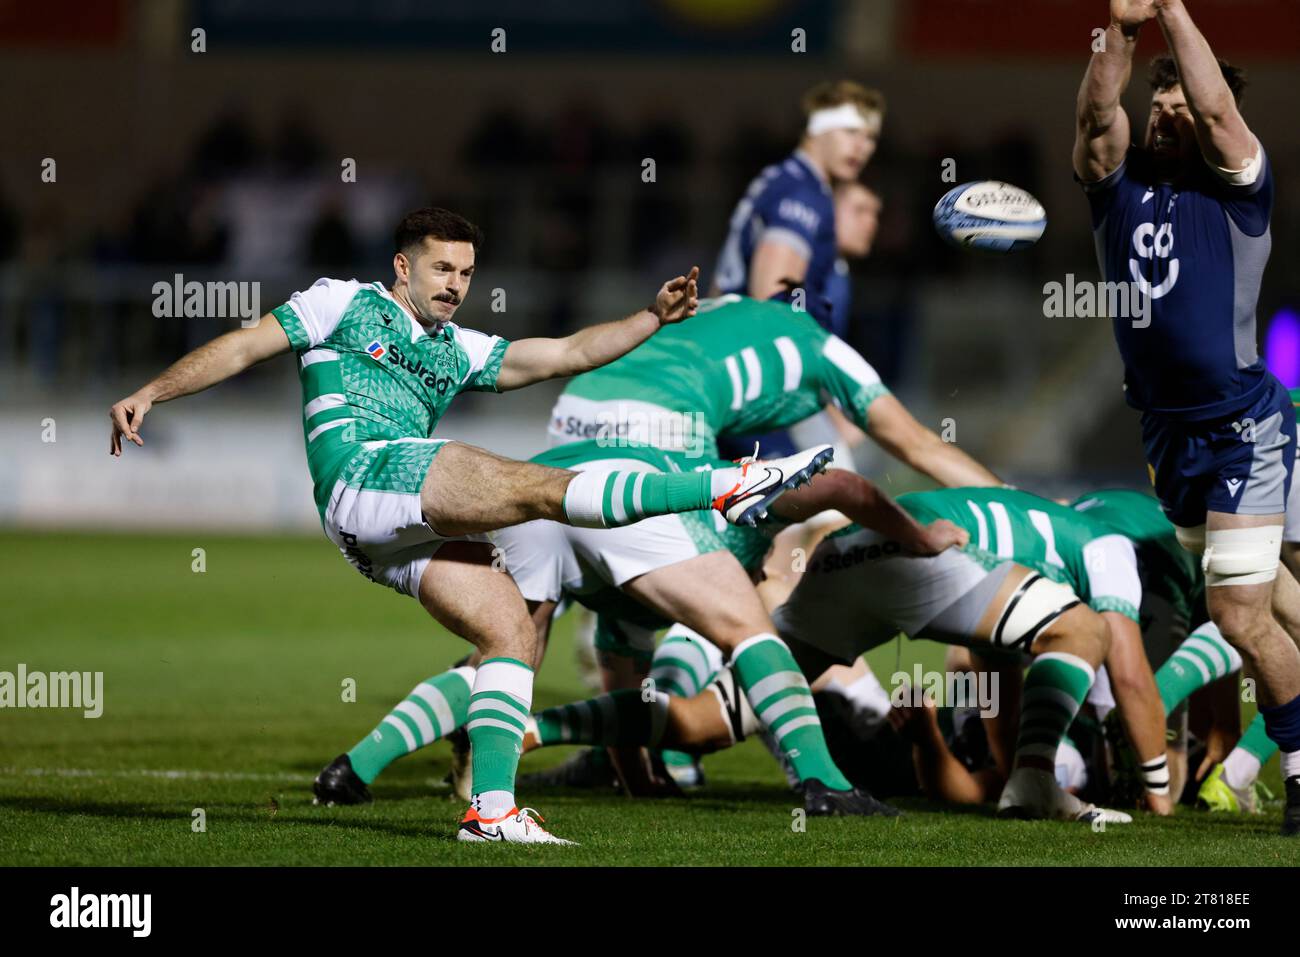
486, 379
321, 416
1109, 603
630, 504
292, 326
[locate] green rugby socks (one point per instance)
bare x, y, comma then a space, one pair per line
627, 717
600, 499
1203, 657
498, 708
683, 665
434, 708
1055, 686
782, 700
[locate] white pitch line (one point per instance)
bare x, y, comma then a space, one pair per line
176, 775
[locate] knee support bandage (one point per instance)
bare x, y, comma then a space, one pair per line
1242, 556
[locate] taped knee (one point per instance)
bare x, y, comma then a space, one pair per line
1242, 556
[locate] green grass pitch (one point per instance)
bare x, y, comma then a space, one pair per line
233, 679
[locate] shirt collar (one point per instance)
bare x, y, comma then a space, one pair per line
437, 331
804, 160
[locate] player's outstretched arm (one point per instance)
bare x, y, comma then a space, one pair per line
1102, 133
898, 433
1224, 138
863, 502
207, 365
534, 360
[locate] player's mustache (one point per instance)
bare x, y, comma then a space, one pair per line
448, 297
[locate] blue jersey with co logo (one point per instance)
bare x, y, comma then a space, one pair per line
1196, 249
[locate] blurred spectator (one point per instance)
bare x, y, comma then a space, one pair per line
227, 148
331, 248
660, 211
501, 139
296, 150
10, 226
44, 253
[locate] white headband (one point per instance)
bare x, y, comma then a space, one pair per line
846, 116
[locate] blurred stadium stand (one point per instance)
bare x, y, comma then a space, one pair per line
225, 165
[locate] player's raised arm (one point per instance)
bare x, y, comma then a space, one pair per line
1224, 138
1102, 133
210, 363
534, 360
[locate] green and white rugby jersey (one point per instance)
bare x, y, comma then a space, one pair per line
1169, 571
371, 373
1069, 547
739, 366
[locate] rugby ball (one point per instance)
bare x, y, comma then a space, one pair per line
990, 215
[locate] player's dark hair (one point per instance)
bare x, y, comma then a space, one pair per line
434, 222
1163, 74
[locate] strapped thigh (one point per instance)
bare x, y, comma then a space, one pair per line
1242, 556
1031, 608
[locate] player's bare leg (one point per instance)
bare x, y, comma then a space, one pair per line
1242, 568
1242, 607
1078, 631
469, 490
1068, 650
465, 593
461, 773
1291, 558
1286, 596
471, 598
712, 595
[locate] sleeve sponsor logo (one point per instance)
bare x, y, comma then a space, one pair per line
793, 211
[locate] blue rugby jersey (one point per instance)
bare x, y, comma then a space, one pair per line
1197, 248
788, 203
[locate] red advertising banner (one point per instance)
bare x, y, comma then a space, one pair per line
1036, 28
61, 23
